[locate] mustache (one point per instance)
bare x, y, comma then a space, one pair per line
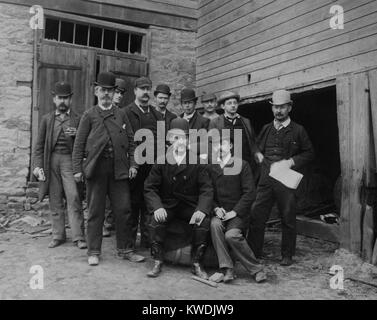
63, 105
145, 95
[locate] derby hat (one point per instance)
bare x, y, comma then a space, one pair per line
106, 80
228, 95
208, 97
178, 126
62, 89
162, 88
280, 97
143, 82
188, 95
120, 84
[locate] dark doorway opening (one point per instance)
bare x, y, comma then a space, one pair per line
316, 110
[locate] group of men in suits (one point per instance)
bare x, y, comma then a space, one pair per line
100, 149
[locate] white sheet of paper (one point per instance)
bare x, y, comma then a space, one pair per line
286, 176
192, 221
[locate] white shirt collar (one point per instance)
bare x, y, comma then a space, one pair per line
179, 158
105, 109
223, 162
141, 109
189, 116
278, 124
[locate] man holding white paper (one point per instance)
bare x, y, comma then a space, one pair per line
286, 149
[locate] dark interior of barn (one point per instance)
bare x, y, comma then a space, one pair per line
319, 191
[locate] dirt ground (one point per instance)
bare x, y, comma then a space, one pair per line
68, 276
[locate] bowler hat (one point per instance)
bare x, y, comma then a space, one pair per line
143, 82
120, 84
280, 97
228, 95
62, 89
208, 97
188, 95
106, 80
162, 88
177, 125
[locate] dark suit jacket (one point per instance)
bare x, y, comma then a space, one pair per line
198, 121
45, 144
133, 113
92, 136
296, 143
169, 116
170, 185
234, 192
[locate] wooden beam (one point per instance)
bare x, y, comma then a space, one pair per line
318, 229
114, 13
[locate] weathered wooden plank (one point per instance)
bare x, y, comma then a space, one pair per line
266, 17
206, 7
347, 41
303, 63
292, 36
373, 107
318, 229
172, 8
115, 13
368, 235
343, 92
300, 78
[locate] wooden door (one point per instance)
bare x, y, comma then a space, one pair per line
125, 68
63, 63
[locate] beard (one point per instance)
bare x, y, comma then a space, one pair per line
106, 101
62, 107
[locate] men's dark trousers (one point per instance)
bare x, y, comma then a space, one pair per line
139, 211
98, 187
270, 190
200, 233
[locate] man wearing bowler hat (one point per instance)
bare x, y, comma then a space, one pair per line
284, 144
53, 166
188, 102
179, 190
231, 120
142, 115
104, 153
120, 89
162, 95
209, 102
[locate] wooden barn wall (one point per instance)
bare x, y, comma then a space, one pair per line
260, 45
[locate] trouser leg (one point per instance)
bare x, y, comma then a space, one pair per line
260, 213
119, 194
219, 243
235, 239
96, 195
74, 207
57, 209
286, 201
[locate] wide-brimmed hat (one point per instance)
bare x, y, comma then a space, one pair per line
208, 97
280, 97
106, 80
188, 95
162, 88
228, 95
143, 82
178, 126
120, 84
62, 89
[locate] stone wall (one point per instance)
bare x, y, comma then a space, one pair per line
16, 70
173, 58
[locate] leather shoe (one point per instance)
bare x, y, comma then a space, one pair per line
156, 269
199, 271
54, 243
286, 261
260, 277
133, 257
93, 260
229, 275
81, 244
